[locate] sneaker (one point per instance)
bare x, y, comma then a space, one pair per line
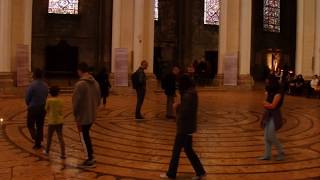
264, 158
62, 156
88, 164
280, 157
199, 177
139, 117
165, 176
46, 153
37, 146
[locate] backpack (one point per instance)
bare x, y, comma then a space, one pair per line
135, 80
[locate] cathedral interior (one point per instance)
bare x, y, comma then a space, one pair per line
231, 47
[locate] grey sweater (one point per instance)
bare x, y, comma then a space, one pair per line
85, 100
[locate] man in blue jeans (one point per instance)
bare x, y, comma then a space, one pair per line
36, 97
85, 101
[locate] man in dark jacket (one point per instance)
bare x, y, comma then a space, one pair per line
141, 88
85, 101
36, 97
186, 126
169, 85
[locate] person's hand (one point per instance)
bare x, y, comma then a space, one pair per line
79, 127
175, 106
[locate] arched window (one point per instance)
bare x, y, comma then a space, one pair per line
211, 12
63, 6
156, 10
271, 15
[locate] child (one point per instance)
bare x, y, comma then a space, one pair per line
54, 107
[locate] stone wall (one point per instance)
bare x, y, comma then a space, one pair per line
182, 22
85, 31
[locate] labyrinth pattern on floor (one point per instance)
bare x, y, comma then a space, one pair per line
228, 142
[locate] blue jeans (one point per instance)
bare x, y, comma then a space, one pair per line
270, 137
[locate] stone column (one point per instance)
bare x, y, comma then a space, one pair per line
28, 26
299, 36
317, 40
222, 35
5, 36
245, 42
6, 77
138, 33
149, 33
116, 30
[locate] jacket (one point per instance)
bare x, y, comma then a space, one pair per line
37, 94
85, 100
187, 112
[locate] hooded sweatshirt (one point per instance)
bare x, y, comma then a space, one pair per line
85, 100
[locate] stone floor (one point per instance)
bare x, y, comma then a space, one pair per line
228, 141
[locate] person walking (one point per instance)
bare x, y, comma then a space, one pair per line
186, 126
54, 109
35, 99
169, 84
85, 101
103, 80
272, 119
140, 86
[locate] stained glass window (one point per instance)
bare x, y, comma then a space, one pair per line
271, 15
156, 10
211, 12
63, 6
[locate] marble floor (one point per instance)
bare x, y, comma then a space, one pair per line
228, 141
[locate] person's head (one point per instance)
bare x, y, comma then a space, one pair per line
175, 70
37, 73
83, 68
54, 91
185, 83
315, 76
272, 84
144, 64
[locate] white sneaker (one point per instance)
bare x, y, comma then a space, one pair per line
46, 153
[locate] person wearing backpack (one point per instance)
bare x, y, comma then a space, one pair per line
139, 81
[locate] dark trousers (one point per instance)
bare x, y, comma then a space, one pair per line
35, 121
184, 141
86, 140
141, 92
170, 101
104, 99
55, 128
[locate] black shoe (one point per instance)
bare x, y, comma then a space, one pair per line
88, 164
139, 117
37, 146
170, 117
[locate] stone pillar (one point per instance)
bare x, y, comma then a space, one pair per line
138, 33
306, 26
317, 40
222, 35
5, 36
149, 33
116, 27
299, 37
229, 35
28, 26
245, 43
6, 77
